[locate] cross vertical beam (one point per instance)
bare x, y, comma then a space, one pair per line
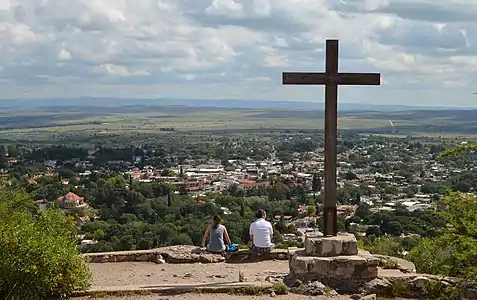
331, 79
331, 138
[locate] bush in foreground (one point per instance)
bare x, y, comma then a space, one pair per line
453, 252
38, 253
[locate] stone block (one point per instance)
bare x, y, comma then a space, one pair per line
328, 246
352, 267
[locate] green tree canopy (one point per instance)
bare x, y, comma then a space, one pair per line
453, 252
38, 253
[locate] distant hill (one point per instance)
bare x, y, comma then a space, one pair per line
219, 103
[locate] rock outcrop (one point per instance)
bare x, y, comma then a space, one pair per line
389, 285
419, 286
390, 262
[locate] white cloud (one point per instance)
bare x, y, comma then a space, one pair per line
122, 71
224, 7
236, 48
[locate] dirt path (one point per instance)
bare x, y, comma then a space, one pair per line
131, 273
135, 273
220, 297
140, 273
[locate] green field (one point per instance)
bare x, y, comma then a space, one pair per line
43, 123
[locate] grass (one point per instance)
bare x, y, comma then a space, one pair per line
57, 124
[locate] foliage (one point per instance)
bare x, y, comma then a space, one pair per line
458, 150
385, 245
453, 251
400, 221
38, 253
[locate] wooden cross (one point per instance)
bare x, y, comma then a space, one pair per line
331, 79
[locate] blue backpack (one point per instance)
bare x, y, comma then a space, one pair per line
231, 248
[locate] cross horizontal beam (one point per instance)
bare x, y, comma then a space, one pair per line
324, 79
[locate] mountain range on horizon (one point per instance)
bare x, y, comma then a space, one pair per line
218, 103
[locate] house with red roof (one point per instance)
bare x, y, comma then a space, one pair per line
249, 184
71, 200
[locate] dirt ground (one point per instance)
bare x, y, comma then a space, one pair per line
220, 297
143, 274
133, 273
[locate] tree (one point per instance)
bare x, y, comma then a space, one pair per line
145, 244
165, 234
183, 190
235, 190
357, 198
392, 228
316, 184
411, 190
373, 231
127, 218
431, 188
302, 195
363, 210
350, 176
311, 210
452, 252
13, 150
181, 239
126, 242
39, 257
169, 198
278, 191
3, 157
242, 208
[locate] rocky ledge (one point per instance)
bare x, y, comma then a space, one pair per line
387, 285
421, 286
184, 255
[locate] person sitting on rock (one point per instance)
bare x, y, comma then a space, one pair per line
216, 233
261, 234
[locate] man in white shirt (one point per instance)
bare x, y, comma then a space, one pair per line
261, 233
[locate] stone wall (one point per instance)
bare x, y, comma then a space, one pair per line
184, 254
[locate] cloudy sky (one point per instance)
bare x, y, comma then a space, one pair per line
426, 50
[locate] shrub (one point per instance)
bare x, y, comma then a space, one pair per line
38, 252
453, 251
385, 245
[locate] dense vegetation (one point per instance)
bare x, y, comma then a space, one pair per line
451, 251
38, 252
147, 215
